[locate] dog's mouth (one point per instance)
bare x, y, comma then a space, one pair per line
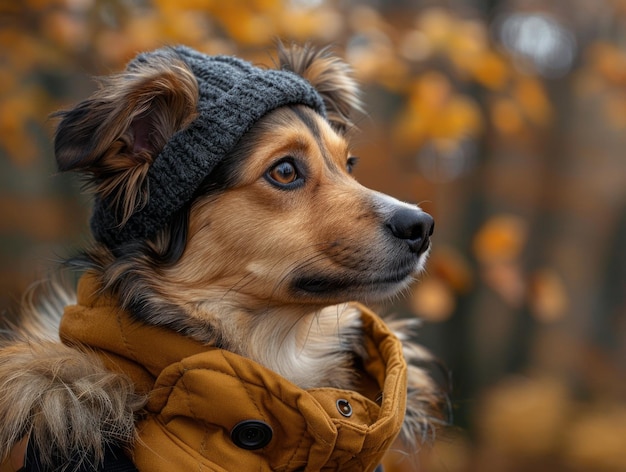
347, 287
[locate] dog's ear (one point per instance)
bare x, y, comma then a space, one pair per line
114, 136
330, 76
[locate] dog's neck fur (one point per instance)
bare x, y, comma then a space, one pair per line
309, 344
299, 343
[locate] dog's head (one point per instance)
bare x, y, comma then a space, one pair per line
277, 220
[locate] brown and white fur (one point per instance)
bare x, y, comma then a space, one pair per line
278, 239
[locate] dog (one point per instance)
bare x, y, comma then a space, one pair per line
261, 256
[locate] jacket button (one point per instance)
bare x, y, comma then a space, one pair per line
344, 407
251, 434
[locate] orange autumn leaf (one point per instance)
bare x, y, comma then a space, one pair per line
491, 70
507, 280
170, 9
451, 266
609, 61
435, 112
263, 5
66, 30
548, 297
411, 130
306, 24
111, 46
415, 46
506, 116
433, 300
144, 33
430, 92
501, 238
533, 100
438, 26
460, 118
468, 41
244, 25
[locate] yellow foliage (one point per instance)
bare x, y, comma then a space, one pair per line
609, 61
465, 43
304, 25
144, 32
393, 74
377, 61
187, 27
21, 52
453, 267
365, 19
435, 112
263, 5
548, 298
533, 101
461, 118
414, 46
247, 26
112, 47
430, 91
507, 279
410, 132
177, 6
605, 80
250, 29
501, 238
498, 246
527, 104
433, 300
438, 26
471, 53
491, 70
506, 116
66, 30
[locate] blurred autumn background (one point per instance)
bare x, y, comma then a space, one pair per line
504, 119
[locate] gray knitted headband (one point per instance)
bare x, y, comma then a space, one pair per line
233, 95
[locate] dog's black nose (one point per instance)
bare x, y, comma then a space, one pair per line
413, 226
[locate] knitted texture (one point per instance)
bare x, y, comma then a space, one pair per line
233, 95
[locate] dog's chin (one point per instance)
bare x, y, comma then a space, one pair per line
372, 287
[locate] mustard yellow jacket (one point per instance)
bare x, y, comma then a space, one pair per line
211, 410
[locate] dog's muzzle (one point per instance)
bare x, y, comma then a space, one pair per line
413, 226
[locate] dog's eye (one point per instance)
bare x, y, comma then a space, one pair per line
350, 163
284, 174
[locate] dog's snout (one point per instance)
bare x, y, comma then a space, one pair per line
413, 226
